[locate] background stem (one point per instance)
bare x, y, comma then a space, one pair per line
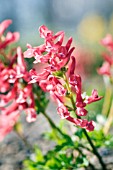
109, 120
107, 101
52, 123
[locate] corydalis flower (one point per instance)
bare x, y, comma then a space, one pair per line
107, 66
59, 78
89, 126
108, 42
93, 98
10, 37
15, 94
52, 51
19, 94
7, 122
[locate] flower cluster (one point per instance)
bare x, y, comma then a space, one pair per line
9, 38
107, 67
59, 78
15, 92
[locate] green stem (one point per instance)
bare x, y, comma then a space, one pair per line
52, 124
85, 147
85, 132
94, 150
92, 145
81, 152
64, 135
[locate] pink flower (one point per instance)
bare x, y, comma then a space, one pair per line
7, 123
20, 60
71, 66
13, 78
108, 42
52, 52
105, 69
56, 56
38, 77
9, 109
9, 96
22, 99
52, 84
4, 84
23, 94
10, 38
69, 42
31, 115
34, 51
93, 98
83, 123
75, 81
60, 60
30, 111
81, 111
21, 68
4, 25
108, 58
90, 126
63, 111
45, 32
42, 58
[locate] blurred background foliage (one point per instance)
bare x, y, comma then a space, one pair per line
88, 21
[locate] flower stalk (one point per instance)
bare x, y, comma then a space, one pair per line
95, 150
52, 124
84, 130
